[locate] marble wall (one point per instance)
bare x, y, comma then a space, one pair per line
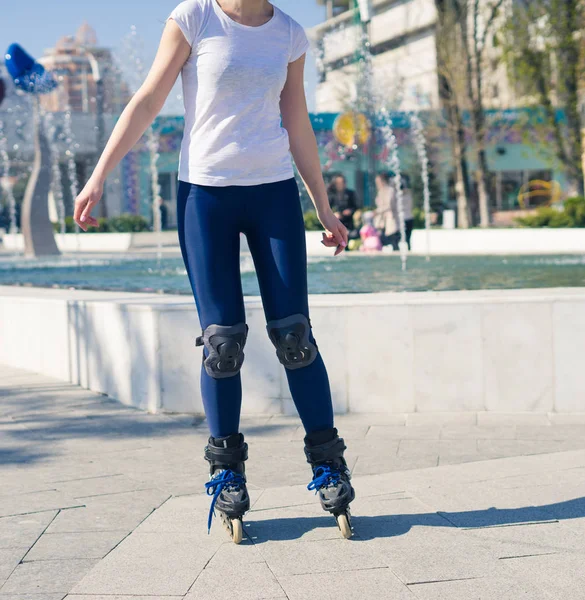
506, 351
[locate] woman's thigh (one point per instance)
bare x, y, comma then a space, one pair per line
209, 220
276, 237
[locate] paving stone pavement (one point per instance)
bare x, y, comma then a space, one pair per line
103, 502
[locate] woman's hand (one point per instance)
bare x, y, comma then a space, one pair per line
335, 232
85, 202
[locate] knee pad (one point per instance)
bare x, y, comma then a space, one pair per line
225, 349
291, 338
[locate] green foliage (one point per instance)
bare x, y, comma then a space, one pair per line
312, 222
120, 224
572, 215
419, 218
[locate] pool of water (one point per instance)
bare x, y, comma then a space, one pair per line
348, 273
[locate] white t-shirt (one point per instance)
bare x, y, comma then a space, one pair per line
231, 87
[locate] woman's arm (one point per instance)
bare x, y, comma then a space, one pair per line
172, 54
303, 145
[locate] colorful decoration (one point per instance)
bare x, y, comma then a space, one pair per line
538, 188
28, 75
352, 129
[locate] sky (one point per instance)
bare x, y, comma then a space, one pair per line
38, 24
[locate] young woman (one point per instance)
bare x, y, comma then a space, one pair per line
242, 64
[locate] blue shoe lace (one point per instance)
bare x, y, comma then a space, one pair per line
323, 477
227, 480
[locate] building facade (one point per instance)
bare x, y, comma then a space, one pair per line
78, 62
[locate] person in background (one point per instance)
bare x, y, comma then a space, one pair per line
386, 213
342, 200
407, 203
370, 237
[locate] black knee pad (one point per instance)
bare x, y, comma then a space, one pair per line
225, 349
291, 338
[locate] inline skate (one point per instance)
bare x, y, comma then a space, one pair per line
331, 477
227, 483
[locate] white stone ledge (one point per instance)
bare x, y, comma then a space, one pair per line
454, 242
503, 351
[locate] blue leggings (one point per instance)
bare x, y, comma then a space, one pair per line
210, 220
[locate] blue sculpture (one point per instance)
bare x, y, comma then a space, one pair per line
31, 77
28, 75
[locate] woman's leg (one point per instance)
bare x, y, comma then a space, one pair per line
276, 237
209, 235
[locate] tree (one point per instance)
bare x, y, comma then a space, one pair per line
453, 92
477, 20
545, 54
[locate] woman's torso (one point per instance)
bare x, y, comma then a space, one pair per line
231, 85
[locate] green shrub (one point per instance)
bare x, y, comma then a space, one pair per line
312, 222
572, 215
575, 208
120, 224
418, 215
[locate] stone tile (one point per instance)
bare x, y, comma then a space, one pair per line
559, 575
451, 372
47, 576
414, 432
376, 583
9, 559
94, 544
376, 465
558, 432
370, 419
109, 513
236, 556
442, 418
98, 486
302, 523
406, 533
458, 432
445, 448
567, 418
297, 558
23, 531
281, 497
498, 419
540, 538
34, 502
92, 597
252, 582
57, 596
503, 448
568, 347
518, 357
150, 563
388, 336
500, 587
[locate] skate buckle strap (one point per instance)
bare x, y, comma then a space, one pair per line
218, 483
323, 477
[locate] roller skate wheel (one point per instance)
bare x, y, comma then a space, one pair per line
234, 528
344, 524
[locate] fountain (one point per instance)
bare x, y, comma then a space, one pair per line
56, 184
71, 167
133, 55
5, 178
421, 149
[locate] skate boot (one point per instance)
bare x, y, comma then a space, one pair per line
227, 483
331, 477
